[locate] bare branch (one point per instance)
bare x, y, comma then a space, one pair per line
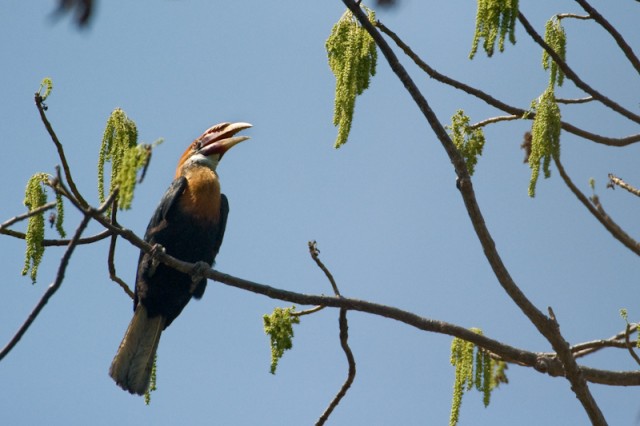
112, 250
87, 240
307, 311
573, 76
313, 250
490, 100
546, 326
629, 346
344, 335
573, 16
586, 348
626, 49
575, 101
27, 215
614, 180
61, 154
597, 211
495, 120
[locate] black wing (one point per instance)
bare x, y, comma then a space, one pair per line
159, 221
168, 201
217, 242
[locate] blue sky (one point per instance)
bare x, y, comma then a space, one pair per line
384, 209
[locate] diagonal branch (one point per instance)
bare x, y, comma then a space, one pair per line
61, 154
614, 180
496, 103
573, 76
624, 46
598, 212
111, 257
546, 326
27, 215
344, 336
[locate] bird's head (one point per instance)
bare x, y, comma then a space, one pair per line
208, 149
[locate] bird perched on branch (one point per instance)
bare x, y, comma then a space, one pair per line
189, 225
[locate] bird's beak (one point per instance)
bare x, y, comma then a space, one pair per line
220, 138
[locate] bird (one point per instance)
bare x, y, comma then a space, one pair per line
188, 224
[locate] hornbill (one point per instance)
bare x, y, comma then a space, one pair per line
188, 224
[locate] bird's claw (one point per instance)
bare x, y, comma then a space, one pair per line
155, 253
198, 273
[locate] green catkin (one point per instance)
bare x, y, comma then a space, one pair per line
35, 196
556, 38
495, 20
545, 137
469, 141
279, 327
352, 57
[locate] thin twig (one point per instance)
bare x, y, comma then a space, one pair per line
598, 212
61, 154
27, 215
572, 75
111, 257
614, 180
573, 16
616, 341
624, 46
494, 120
575, 101
313, 250
306, 311
344, 335
47, 242
490, 100
51, 290
629, 346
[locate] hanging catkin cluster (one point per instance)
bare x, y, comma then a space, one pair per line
352, 57
495, 19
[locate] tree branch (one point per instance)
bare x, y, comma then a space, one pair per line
112, 251
490, 100
344, 336
614, 180
598, 213
573, 76
61, 154
546, 326
624, 46
27, 215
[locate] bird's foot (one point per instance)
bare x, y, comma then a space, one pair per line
198, 273
155, 253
